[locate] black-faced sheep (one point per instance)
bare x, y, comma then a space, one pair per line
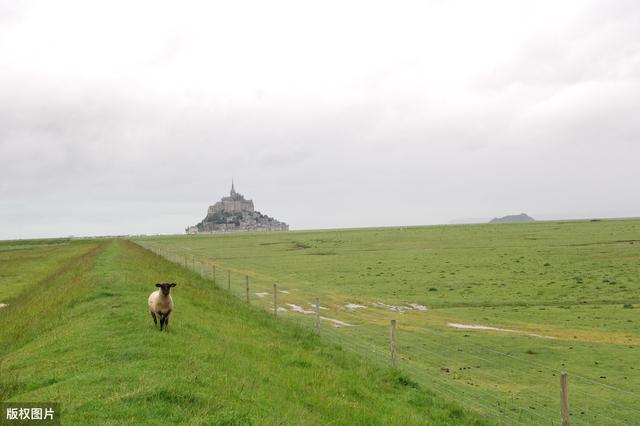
161, 304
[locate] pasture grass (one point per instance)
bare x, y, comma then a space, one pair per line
25, 261
567, 292
77, 332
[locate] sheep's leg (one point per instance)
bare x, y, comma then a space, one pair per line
155, 320
162, 320
166, 322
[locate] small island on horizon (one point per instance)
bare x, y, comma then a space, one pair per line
514, 218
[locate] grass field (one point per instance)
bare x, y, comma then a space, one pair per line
77, 331
567, 292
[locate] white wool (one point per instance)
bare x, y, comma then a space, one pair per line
159, 303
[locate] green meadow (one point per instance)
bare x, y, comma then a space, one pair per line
76, 331
488, 315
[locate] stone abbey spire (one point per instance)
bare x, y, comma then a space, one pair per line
235, 213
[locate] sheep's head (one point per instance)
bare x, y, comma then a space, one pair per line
165, 287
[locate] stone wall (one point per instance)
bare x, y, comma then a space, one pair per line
244, 221
231, 206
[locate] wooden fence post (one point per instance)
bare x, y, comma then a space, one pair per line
247, 285
275, 299
213, 273
318, 316
229, 280
393, 344
564, 398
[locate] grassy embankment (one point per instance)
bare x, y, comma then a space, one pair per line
569, 291
77, 332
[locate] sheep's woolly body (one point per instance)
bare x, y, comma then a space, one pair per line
159, 303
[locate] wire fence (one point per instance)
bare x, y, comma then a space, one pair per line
502, 387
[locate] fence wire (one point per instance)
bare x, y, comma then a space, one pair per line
490, 383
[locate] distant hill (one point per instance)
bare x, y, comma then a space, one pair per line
514, 218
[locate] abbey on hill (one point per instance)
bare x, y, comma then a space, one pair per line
234, 214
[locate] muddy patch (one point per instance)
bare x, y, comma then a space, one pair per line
489, 328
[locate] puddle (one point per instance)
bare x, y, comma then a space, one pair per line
489, 328
352, 306
418, 307
477, 327
262, 294
313, 305
401, 309
337, 323
299, 309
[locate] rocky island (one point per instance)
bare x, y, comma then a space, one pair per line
515, 218
235, 214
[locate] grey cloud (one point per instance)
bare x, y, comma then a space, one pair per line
552, 131
600, 44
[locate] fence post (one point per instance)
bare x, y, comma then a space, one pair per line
318, 316
213, 273
564, 398
247, 285
229, 280
393, 343
275, 299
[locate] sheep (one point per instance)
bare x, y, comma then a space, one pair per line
161, 304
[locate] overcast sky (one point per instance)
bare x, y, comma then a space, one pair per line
133, 116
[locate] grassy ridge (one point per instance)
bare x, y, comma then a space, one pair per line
82, 337
568, 291
24, 262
